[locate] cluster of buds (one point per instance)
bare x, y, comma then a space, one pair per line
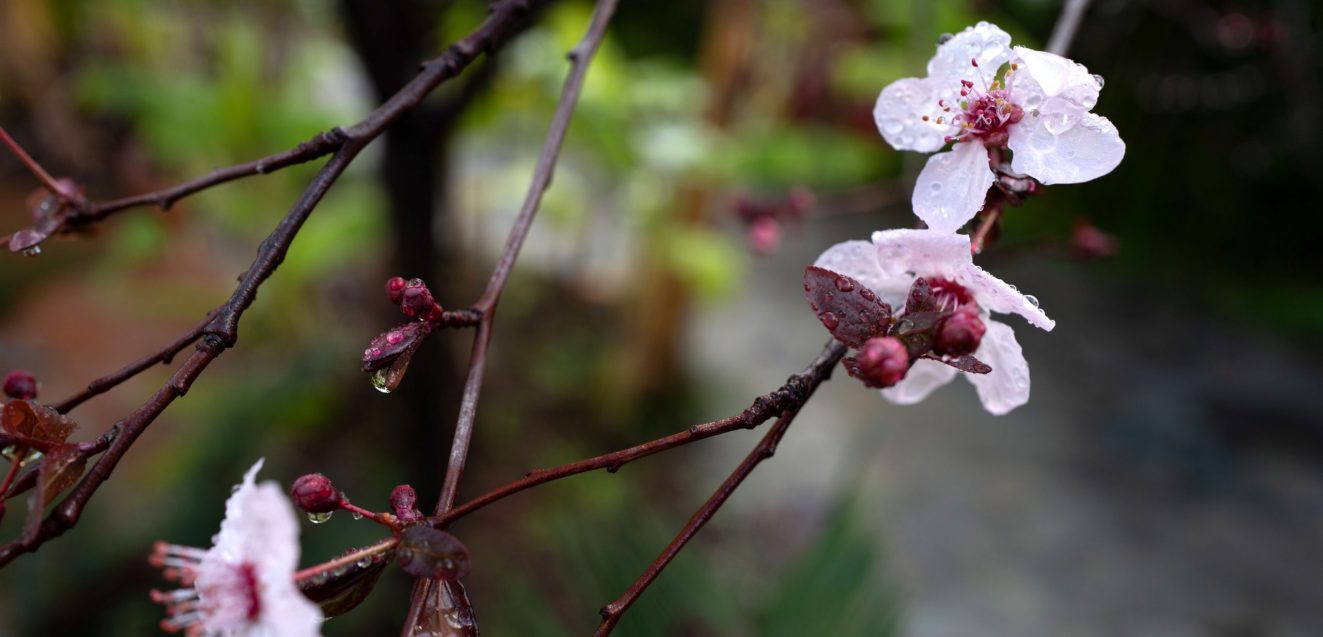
318, 498
414, 299
764, 218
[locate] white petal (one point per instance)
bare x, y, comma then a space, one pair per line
952, 186
1090, 149
983, 42
899, 115
286, 612
925, 252
1056, 76
924, 377
995, 295
858, 260
1007, 385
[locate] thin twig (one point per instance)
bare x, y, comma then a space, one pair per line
611, 613
1063, 34
790, 396
222, 330
35, 168
580, 57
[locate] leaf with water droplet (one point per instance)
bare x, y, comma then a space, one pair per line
447, 612
433, 553
387, 357
966, 363
345, 588
846, 307
29, 421
59, 470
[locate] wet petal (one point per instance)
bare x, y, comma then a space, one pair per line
1056, 77
925, 252
1090, 149
924, 377
859, 261
995, 295
984, 42
899, 114
1007, 385
952, 186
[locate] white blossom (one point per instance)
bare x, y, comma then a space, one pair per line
1039, 109
243, 585
889, 266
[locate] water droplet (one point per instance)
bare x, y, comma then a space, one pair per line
829, 319
380, 380
1099, 79
904, 326
936, 186
944, 38
1012, 286
867, 294
365, 562
356, 515
394, 337
893, 126
1033, 300
32, 251
843, 284
319, 518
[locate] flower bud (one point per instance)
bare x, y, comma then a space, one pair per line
764, 235
960, 333
395, 288
314, 493
882, 362
403, 501
21, 385
416, 300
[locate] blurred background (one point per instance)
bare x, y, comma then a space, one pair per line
1166, 478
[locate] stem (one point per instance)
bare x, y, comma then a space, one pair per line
35, 168
790, 396
1063, 34
14, 464
380, 547
765, 448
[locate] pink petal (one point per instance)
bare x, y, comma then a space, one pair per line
1007, 385
924, 377
1090, 149
921, 252
984, 42
952, 186
899, 115
1056, 77
995, 295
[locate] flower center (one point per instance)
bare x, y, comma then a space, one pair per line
949, 295
984, 113
214, 594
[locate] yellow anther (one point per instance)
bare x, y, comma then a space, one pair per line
925, 118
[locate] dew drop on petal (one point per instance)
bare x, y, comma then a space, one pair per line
1012, 286
1099, 79
1033, 300
936, 186
944, 38
318, 518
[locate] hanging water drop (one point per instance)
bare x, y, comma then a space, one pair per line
380, 380
32, 251
356, 515
364, 562
1033, 300
319, 518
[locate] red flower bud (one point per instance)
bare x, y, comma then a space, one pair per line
882, 362
403, 501
21, 385
960, 333
395, 288
315, 493
417, 301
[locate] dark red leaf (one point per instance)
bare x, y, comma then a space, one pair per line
59, 470
966, 363
29, 421
341, 589
846, 307
387, 357
433, 553
447, 612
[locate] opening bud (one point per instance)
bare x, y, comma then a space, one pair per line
960, 333
881, 362
314, 493
395, 288
403, 501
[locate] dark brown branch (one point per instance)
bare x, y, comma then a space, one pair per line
789, 397
221, 331
765, 448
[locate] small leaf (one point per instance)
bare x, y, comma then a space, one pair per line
447, 612
846, 307
30, 421
59, 470
966, 363
920, 298
387, 357
428, 552
340, 590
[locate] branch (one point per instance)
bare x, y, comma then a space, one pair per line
765, 448
221, 332
1067, 24
580, 57
789, 397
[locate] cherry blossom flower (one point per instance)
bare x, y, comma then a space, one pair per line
889, 266
243, 584
1039, 109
